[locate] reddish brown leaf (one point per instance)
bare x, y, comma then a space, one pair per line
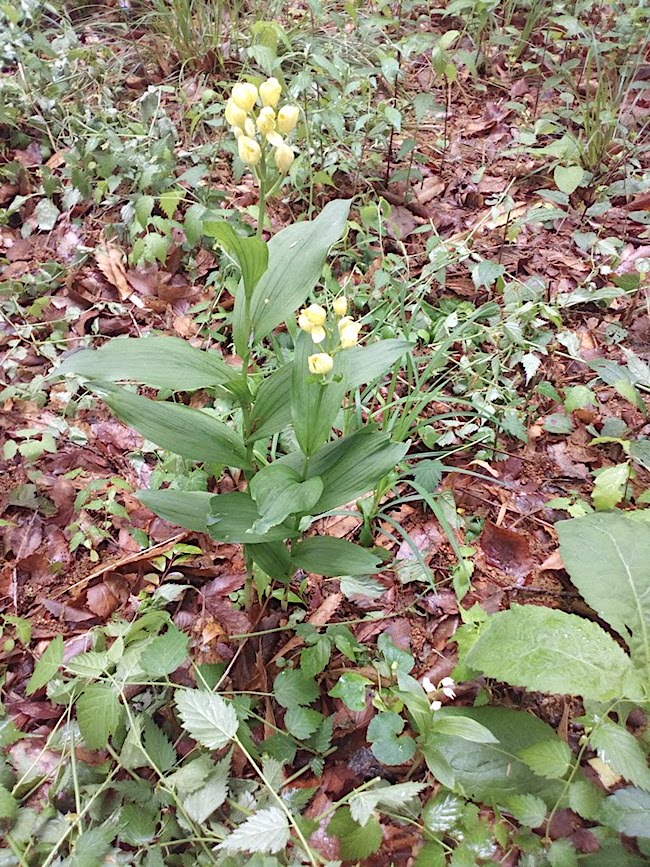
507, 550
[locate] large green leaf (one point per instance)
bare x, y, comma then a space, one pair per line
368, 363
207, 717
326, 555
352, 466
547, 650
628, 811
251, 254
315, 402
98, 713
278, 492
189, 509
162, 362
296, 258
188, 432
233, 518
608, 559
271, 411
491, 772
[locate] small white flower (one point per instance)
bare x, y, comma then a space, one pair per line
436, 705
427, 685
448, 685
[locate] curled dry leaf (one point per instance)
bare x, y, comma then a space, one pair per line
507, 550
110, 261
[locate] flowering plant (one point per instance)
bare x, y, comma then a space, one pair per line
277, 495
259, 127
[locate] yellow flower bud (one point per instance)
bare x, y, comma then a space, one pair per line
244, 95
249, 128
320, 363
318, 333
237, 131
340, 306
275, 139
350, 335
304, 323
249, 150
235, 115
347, 320
288, 118
270, 91
284, 158
316, 314
266, 120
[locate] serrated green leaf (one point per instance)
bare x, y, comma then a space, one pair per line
628, 811
158, 747
203, 801
328, 555
351, 689
585, 799
162, 362
562, 853
188, 432
191, 776
614, 582
47, 666
293, 687
356, 842
165, 653
363, 804
137, 823
170, 200
90, 664
573, 656
621, 751
302, 722
264, 831
387, 744
207, 717
98, 713
528, 810
91, 847
443, 812
143, 209
314, 658
548, 759
8, 804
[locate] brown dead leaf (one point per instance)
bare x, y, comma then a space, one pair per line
110, 261
429, 189
103, 599
553, 562
507, 550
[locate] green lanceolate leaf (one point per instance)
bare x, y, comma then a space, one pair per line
547, 650
463, 727
273, 558
162, 362
608, 559
296, 258
233, 517
327, 555
190, 509
251, 254
271, 411
368, 363
352, 466
207, 717
279, 492
315, 400
188, 432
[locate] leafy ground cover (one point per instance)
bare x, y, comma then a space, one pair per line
380, 599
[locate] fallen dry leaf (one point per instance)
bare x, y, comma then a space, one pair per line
110, 261
507, 550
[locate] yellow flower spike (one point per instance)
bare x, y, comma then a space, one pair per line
266, 120
318, 333
320, 363
316, 314
275, 139
270, 91
244, 95
340, 306
249, 150
235, 115
284, 158
304, 323
288, 118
